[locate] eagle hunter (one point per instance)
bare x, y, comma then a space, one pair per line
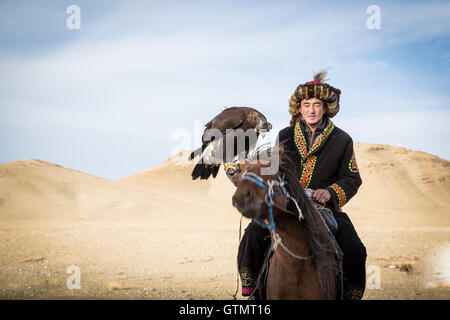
219, 131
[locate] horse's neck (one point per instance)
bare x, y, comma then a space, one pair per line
293, 236
300, 274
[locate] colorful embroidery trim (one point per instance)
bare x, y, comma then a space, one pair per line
247, 291
322, 137
340, 193
308, 170
247, 278
352, 165
300, 140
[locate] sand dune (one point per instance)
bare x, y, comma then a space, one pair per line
400, 188
35, 190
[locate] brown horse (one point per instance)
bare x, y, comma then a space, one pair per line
305, 262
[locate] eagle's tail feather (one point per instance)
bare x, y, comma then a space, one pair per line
203, 171
197, 171
215, 170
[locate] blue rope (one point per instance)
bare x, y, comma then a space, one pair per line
284, 190
259, 183
271, 225
261, 223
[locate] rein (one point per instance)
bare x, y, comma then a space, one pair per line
268, 186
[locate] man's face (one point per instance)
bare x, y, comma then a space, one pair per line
312, 110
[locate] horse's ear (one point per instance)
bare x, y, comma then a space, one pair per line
243, 164
280, 149
277, 150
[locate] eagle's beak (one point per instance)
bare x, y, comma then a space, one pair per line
263, 128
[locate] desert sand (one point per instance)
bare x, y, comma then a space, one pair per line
157, 234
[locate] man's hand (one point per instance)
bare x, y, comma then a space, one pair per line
321, 195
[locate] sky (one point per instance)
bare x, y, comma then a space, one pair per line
139, 79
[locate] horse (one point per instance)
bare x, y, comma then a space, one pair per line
306, 260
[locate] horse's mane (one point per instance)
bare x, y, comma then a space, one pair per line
319, 240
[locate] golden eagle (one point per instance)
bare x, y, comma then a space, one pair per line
235, 127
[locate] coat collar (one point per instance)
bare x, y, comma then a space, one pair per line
300, 141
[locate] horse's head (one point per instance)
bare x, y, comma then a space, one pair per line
253, 191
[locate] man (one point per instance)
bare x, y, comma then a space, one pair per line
325, 164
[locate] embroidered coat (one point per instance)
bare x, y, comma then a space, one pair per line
328, 164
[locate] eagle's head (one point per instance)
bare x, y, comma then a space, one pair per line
263, 126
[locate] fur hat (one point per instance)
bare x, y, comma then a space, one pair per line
315, 89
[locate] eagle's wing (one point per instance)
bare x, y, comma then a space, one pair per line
230, 118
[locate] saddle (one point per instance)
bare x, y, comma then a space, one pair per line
330, 221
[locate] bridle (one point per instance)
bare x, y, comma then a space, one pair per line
269, 187
270, 195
